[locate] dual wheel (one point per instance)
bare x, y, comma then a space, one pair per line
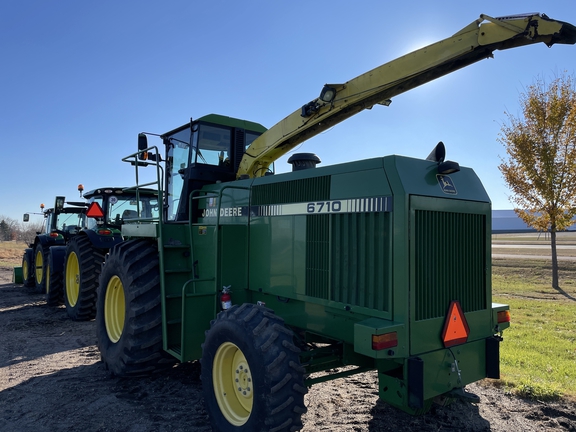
41, 269
251, 371
83, 263
28, 268
54, 276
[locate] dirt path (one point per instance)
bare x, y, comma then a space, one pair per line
51, 380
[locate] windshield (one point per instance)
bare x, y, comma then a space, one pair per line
122, 208
176, 163
70, 221
213, 145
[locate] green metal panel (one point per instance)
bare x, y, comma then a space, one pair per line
420, 177
441, 376
362, 180
278, 255
233, 268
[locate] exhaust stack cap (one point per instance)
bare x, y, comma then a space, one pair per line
302, 161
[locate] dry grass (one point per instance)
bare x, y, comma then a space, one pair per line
11, 253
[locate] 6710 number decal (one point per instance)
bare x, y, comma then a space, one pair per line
324, 207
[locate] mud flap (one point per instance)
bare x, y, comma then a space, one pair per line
493, 357
415, 383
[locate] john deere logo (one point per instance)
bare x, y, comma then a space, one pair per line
446, 184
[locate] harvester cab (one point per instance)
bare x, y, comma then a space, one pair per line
204, 151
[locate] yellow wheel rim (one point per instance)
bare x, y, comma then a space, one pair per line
114, 309
72, 279
39, 265
233, 384
25, 274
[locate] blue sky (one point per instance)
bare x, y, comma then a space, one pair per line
80, 80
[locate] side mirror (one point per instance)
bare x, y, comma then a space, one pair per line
142, 145
26, 217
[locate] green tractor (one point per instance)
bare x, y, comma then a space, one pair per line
106, 210
273, 281
42, 260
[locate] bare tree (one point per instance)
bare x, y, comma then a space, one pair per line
541, 165
27, 231
8, 229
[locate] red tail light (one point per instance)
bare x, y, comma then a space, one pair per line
503, 317
383, 341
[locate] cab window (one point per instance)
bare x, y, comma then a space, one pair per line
214, 145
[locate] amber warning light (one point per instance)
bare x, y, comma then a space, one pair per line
456, 328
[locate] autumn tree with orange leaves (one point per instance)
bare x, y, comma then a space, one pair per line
541, 165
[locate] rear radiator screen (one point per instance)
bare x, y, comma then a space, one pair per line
449, 262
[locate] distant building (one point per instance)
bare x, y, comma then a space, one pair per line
507, 221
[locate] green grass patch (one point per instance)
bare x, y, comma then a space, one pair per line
538, 355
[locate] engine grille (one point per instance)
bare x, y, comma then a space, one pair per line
449, 262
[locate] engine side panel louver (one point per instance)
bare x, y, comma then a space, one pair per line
294, 191
360, 260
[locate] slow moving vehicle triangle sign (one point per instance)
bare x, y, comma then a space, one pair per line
456, 328
94, 210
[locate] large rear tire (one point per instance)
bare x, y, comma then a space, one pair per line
129, 315
83, 264
28, 268
40, 267
251, 372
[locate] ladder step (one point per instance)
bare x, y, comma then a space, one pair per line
171, 246
176, 351
184, 270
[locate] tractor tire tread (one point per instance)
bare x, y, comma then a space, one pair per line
282, 382
139, 351
90, 261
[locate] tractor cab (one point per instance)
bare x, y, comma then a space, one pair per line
114, 206
61, 220
204, 151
